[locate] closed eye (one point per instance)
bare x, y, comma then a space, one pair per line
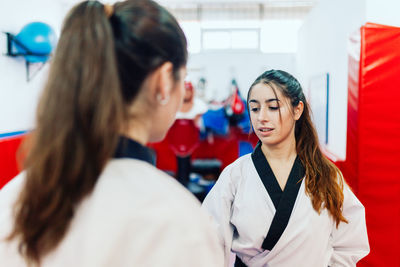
273, 108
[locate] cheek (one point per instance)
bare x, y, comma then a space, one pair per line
252, 117
275, 117
177, 97
287, 123
181, 93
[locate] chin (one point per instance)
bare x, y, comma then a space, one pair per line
268, 141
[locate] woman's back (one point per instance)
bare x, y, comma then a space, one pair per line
116, 82
135, 216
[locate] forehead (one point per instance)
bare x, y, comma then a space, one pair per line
262, 91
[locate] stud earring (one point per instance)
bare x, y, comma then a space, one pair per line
162, 101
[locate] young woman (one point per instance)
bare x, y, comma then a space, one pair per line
285, 204
89, 195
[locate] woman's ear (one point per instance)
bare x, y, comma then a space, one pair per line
298, 110
164, 83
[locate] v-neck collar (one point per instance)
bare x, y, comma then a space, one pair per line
129, 148
268, 178
283, 200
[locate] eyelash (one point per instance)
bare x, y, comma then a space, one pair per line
257, 109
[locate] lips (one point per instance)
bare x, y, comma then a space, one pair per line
265, 129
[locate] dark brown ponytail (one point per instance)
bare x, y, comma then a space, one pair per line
78, 118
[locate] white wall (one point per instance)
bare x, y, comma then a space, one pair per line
219, 68
323, 41
385, 12
18, 98
323, 47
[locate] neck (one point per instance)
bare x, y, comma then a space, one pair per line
137, 131
284, 151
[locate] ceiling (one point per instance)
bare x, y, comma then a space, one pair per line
202, 10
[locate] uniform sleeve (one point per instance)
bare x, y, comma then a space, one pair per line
218, 204
350, 240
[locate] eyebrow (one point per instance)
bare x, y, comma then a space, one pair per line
266, 101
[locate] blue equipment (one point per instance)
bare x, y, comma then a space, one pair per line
35, 42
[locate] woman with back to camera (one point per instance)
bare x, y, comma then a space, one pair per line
285, 204
89, 195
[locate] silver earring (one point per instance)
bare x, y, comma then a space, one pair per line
162, 101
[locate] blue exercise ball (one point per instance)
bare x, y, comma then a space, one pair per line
39, 39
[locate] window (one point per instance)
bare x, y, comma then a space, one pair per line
245, 39
216, 39
267, 36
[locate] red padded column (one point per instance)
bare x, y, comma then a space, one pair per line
373, 140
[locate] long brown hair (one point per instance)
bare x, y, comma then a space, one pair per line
323, 180
98, 68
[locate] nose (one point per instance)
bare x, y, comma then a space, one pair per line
263, 116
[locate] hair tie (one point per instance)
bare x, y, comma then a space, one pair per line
109, 10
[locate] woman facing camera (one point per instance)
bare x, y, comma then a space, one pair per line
285, 204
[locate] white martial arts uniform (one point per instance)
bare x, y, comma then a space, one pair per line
243, 211
135, 216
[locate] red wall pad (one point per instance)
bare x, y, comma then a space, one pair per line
373, 139
8, 158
